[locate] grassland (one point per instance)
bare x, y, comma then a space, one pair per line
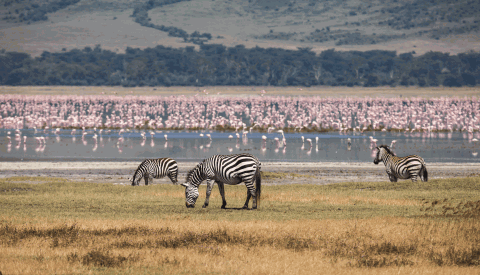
53, 225
236, 22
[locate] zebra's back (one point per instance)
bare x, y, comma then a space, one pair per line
238, 166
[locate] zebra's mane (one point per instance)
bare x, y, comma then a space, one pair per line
386, 149
189, 174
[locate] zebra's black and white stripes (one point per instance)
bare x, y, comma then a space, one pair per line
156, 168
409, 167
225, 169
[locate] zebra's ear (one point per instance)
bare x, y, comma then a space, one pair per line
184, 184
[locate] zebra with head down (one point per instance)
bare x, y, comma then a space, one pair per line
225, 169
156, 168
409, 167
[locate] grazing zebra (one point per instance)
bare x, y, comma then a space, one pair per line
156, 168
409, 167
225, 169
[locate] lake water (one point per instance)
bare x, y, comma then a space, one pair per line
65, 145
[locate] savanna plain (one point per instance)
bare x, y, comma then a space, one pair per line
81, 225
51, 225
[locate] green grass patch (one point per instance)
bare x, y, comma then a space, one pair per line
60, 198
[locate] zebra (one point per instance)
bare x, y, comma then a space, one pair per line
409, 167
225, 169
156, 168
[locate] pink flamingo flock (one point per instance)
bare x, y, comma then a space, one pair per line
241, 113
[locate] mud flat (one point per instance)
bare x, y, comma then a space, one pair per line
221, 91
295, 172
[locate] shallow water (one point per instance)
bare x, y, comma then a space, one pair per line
458, 147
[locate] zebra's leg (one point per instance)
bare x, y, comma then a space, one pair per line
210, 183
392, 178
245, 206
414, 178
250, 193
221, 188
146, 179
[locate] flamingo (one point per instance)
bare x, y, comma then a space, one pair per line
310, 142
393, 144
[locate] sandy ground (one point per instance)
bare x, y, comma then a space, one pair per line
307, 172
221, 91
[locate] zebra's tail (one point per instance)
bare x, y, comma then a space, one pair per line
258, 185
424, 173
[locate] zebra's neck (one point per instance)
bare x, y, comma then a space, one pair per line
198, 175
386, 157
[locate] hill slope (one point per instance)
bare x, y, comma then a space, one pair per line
34, 26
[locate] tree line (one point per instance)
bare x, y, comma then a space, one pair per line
215, 64
140, 13
35, 12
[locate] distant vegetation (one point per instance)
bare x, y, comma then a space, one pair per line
33, 11
218, 65
140, 13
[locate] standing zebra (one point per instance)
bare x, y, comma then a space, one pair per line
409, 167
156, 168
225, 169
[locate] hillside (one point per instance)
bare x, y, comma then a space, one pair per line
34, 26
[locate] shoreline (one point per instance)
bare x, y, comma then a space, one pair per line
245, 91
79, 165
319, 173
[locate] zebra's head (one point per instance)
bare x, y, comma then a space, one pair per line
194, 178
191, 194
137, 176
382, 150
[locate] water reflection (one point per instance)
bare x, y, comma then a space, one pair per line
93, 144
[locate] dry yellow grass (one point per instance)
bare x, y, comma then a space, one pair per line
245, 91
58, 226
182, 245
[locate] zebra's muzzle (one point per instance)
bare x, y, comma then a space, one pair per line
375, 161
190, 205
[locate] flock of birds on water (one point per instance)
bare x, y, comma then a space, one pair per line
272, 115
